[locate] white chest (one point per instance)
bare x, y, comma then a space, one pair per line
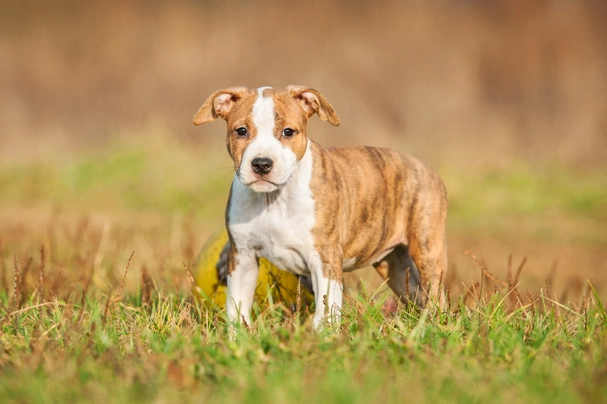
276, 226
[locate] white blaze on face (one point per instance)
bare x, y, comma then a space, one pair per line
266, 145
263, 116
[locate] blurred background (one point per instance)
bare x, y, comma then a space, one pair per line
506, 100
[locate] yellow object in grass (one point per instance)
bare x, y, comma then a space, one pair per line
273, 284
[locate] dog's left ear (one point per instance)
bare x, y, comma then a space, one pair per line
314, 102
219, 104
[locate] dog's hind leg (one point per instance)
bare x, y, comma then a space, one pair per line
426, 239
402, 275
428, 249
432, 265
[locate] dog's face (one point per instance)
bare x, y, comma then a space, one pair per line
266, 130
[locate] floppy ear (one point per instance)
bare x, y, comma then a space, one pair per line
314, 102
219, 104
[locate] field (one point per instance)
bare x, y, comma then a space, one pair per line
107, 194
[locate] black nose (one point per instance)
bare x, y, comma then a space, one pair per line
262, 165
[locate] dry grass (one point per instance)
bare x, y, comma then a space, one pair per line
152, 339
79, 273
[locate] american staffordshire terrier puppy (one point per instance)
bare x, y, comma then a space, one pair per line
318, 212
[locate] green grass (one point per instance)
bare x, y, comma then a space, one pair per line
174, 349
519, 189
156, 343
161, 176
551, 203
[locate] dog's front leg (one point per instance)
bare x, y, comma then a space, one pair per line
242, 280
327, 283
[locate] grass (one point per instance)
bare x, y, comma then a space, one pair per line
164, 175
77, 327
83, 319
532, 198
158, 175
519, 189
128, 327
173, 348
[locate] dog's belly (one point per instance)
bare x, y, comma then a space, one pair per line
350, 264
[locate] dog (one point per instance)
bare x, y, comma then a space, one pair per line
318, 212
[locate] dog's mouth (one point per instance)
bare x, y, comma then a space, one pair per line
260, 182
269, 182
263, 186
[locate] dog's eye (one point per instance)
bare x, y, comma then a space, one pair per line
241, 131
288, 132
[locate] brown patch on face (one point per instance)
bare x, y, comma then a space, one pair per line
289, 114
240, 117
233, 104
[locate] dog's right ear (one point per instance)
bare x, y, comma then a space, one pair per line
219, 104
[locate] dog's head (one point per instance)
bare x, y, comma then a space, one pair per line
266, 133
